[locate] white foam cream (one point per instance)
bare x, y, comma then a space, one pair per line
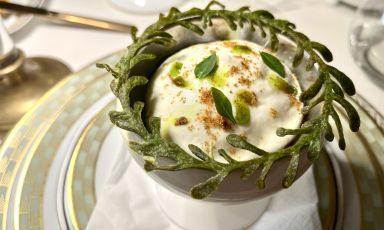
187, 111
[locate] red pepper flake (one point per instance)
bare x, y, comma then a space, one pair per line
274, 113
258, 74
245, 63
243, 135
244, 81
229, 44
181, 121
233, 152
206, 96
294, 101
248, 97
212, 120
234, 70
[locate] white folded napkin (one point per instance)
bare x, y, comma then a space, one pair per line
128, 201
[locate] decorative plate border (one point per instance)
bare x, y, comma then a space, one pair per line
367, 150
32, 178
80, 185
24, 139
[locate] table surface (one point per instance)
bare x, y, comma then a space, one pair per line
77, 47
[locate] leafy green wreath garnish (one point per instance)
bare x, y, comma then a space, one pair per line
333, 82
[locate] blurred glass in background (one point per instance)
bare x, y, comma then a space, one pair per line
145, 6
367, 39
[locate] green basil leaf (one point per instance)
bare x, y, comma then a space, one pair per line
205, 67
222, 104
273, 63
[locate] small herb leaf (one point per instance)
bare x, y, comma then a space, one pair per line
175, 69
273, 63
280, 84
243, 113
240, 49
222, 104
180, 82
205, 67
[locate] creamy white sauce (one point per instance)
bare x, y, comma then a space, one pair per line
235, 72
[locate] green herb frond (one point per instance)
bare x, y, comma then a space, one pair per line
331, 84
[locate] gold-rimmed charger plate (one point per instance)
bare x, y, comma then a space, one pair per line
52, 163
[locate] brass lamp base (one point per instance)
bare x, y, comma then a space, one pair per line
22, 82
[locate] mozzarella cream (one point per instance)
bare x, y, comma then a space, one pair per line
187, 110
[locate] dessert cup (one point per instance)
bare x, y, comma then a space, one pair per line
236, 203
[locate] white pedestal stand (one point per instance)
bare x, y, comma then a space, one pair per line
193, 214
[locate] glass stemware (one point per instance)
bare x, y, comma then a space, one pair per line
367, 39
